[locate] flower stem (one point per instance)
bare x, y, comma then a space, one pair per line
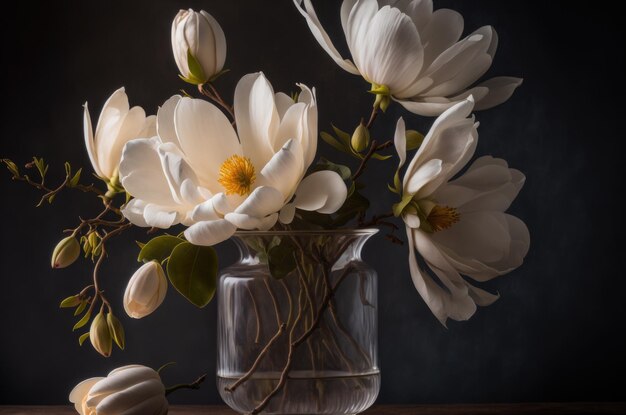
194, 385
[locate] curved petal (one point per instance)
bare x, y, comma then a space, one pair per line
426, 109
122, 379
257, 118
500, 90
160, 217
212, 209
123, 399
442, 31
399, 141
220, 42
322, 37
113, 110
206, 137
261, 202
80, 391
180, 176
391, 54
141, 172
283, 103
287, 213
209, 233
284, 170
357, 27
89, 141
323, 191
133, 211
165, 127
248, 222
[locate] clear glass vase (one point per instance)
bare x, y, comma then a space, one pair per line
297, 324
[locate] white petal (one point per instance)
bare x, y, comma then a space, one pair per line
219, 52
113, 110
123, 399
443, 30
149, 127
283, 103
399, 141
422, 176
500, 90
177, 171
122, 379
261, 202
89, 141
133, 211
248, 222
141, 172
392, 52
323, 191
206, 137
80, 391
284, 170
357, 27
207, 211
412, 221
287, 214
426, 109
209, 233
165, 121
322, 37
160, 216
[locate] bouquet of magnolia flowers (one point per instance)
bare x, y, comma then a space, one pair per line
201, 170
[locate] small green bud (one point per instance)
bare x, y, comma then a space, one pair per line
94, 242
72, 301
65, 253
100, 335
414, 139
116, 329
360, 138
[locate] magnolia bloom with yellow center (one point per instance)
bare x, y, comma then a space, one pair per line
415, 54
458, 225
117, 125
201, 172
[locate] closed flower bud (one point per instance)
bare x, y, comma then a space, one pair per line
100, 335
117, 330
72, 301
360, 138
65, 253
199, 46
129, 390
413, 139
146, 290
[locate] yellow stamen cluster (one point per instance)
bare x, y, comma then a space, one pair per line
442, 217
237, 175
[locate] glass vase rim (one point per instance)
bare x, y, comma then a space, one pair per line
310, 232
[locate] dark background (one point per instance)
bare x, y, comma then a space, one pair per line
556, 334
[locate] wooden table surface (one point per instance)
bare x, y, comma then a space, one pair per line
580, 408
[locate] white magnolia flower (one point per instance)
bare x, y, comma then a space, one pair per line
128, 390
406, 49
459, 226
146, 290
117, 125
200, 37
199, 172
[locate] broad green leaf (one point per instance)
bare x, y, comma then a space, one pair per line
332, 141
82, 321
340, 169
82, 338
196, 73
159, 248
192, 270
280, 259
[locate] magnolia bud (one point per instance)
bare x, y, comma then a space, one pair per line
100, 335
413, 140
199, 46
360, 138
65, 253
146, 290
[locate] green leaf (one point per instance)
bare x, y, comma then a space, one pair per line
69, 302
332, 141
355, 205
82, 321
340, 169
81, 307
12, 167
345, 137
280, 258
192, 270
159, 248
82, 338
398, 208
196, 73
74, 181
68, 169
381, 157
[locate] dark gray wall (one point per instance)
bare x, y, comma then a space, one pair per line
557, 331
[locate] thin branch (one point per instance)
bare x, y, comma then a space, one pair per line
195, 385
367, 157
